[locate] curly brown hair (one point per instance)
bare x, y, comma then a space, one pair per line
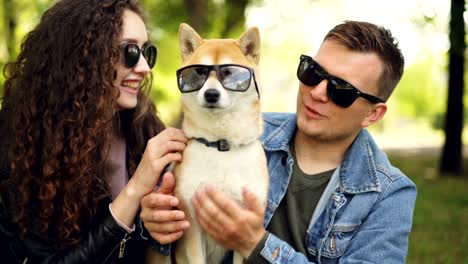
60, 99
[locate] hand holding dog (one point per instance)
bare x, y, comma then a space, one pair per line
230, 224
164, 223
161, 150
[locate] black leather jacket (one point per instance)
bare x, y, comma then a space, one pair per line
104, 242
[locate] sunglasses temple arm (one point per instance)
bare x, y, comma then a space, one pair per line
256, 86
371, 98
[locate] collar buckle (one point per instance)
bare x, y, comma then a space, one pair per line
223, 145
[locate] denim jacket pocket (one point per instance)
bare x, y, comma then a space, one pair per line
338, 240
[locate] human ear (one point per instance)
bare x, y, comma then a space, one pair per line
376, 112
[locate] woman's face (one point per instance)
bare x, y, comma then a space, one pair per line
129, 80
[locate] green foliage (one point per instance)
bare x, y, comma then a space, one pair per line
421, 92
26, 15
439, 233
165, 92
163, 17
216, 18
438, 118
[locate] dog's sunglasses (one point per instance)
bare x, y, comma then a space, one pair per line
232, 77
339, 91
131, 54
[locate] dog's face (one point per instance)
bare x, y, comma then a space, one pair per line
217, 86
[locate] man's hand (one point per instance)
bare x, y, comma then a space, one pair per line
163, 221
231, 225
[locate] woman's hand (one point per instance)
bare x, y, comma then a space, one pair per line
161, 150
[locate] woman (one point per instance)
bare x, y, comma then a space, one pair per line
80, 141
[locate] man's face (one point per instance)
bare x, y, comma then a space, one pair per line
320, 118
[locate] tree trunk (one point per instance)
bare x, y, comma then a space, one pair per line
235, 16
10, 27
451, 161
196, 10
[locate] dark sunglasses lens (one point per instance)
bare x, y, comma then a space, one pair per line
131, 55
235, 78
341, 93
192, 78
150, 53
308, 72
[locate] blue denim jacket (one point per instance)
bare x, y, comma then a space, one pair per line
364, 215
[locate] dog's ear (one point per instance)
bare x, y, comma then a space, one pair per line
249, 43
189, 40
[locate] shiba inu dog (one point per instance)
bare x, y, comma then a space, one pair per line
222, 116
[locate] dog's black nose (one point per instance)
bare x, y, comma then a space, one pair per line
212, 96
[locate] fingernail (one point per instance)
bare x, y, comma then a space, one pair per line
249, 193
184, 225
179, 215
174, 202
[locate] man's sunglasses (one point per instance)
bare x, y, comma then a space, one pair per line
339, 91
232, 77
131, 54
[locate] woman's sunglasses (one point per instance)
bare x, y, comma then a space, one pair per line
339, 91
131, 54
232, 77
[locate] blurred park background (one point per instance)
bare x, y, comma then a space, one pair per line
412, 131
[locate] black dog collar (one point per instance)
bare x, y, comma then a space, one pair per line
221, 145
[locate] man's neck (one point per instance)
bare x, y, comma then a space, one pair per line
316, 155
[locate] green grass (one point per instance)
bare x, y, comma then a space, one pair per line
440, 223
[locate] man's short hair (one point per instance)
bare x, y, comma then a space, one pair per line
368, 37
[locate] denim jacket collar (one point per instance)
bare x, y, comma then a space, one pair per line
358, 171
281, 135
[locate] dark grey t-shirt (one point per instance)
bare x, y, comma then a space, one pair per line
292, 217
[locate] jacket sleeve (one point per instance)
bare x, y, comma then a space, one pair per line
144, 234
382, 236
97, 247
271, 249
384, 233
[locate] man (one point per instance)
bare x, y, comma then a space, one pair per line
333, 196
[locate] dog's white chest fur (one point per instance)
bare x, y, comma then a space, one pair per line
228, 171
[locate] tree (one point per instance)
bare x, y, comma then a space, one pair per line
196, 10
9, 29
9, 26
451, 161
235, 16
